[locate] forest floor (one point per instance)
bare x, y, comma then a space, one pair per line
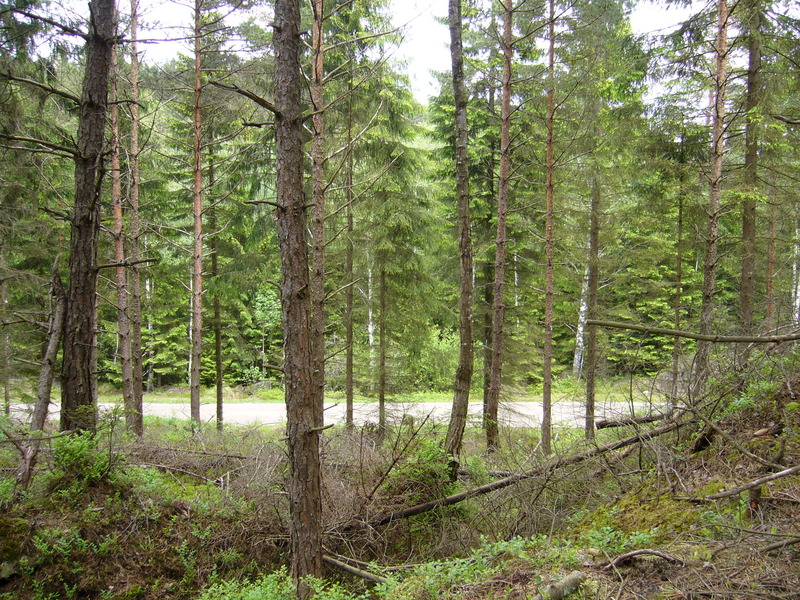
705, 504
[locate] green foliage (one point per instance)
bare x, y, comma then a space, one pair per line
275, 586
80, 463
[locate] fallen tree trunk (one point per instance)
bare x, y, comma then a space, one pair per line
719, 339
543, 469
608, 423
563, 588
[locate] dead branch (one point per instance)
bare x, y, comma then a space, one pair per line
781, 544
541, 470
262, 102
353, 570
720, 339
753, 484
622, 558
608, 423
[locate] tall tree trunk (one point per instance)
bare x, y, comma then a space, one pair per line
382, 342
78, 410
498, 309
318, 213
213, 250
463, 380
123, 319
770, 300
752, 104
676, 344
305, 500
547, 372
714, 208
197, 213
486, 328
135, 305
594, 279
5, 353
349, 274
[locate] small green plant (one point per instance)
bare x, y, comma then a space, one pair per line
275, 586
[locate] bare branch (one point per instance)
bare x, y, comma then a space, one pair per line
262, 102
721, 339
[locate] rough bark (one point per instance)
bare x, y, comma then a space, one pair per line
714, 207
123, 317
318, 212
463, 378
78, 409
550, 165
305, 499
135, 305
594, 280
752, 104
197, 214
498, 308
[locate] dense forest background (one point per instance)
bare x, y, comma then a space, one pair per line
272, 209
632, 133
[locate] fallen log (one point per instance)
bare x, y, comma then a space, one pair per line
541, 470
353, 570
608, 423
563, 588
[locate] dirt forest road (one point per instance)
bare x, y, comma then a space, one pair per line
513, 414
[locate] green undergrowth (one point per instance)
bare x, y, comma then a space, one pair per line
203, 514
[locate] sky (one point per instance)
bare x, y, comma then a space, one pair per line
426, 41
425, 46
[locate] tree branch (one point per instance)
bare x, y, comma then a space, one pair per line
538, 471
262, 102
41, 86
770, 339
45, 144
753, 484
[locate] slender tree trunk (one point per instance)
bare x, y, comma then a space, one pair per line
213, 250
46, 376
770, 300
463, 380
123, 319
349, 273
580, 328
547, 367
714, 208
305, 500
135, 305
676, 344
486, 328
752, 104
498, 310
318, 213
382, 352
5, 354
594, 279
78, 410
197, 213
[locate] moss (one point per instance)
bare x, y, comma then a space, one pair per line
13, 533
662, 514
634, 514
